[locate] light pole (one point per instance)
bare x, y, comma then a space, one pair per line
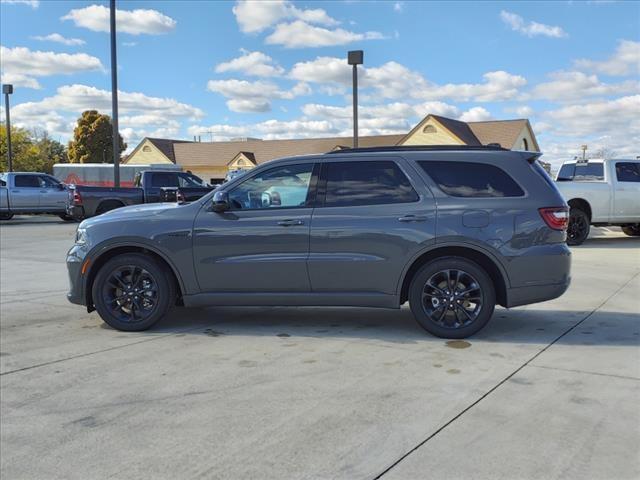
7, 89
584, 152
355, 58
114, 96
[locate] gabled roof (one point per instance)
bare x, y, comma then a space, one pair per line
248, 155
459, 129
504, 132
165, 145
220, 153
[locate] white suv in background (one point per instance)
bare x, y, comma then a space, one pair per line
601, 193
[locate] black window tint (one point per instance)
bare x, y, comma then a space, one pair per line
466, 179
48, 182
628, 172
27, 181
588, 172
367, 183
566, 173
167, 179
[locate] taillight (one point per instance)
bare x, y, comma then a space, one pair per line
556, 218
77, 198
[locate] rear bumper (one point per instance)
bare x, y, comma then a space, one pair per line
534, 294
76, 211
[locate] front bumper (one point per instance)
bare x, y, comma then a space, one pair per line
75, 260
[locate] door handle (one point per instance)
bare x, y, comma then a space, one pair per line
412, 218
290, 222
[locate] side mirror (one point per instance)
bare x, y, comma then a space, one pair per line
62, 186
220, 202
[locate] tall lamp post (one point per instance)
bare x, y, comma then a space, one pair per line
114, 96
355, 58
7, 89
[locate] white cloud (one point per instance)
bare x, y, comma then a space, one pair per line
251, 63
522, 111
531, 29
129, 44
22, 64
393, 80
475, 114
245, 96
497, 86
30, 3
299, 34
625, 61
58, 113
135, 22
569, 86
258, 15
20, 80
398, 7
56, 37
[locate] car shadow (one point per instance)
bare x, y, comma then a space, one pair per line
519, 326
35, 220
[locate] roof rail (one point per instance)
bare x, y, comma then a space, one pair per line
419, 148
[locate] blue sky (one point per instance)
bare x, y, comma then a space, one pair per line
278, 69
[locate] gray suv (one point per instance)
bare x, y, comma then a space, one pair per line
452, 230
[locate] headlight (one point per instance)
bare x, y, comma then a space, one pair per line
81, 236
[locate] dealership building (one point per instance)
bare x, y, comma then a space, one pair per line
213, 160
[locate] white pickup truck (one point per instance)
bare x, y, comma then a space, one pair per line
601, 193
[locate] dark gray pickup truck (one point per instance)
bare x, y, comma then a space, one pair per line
151, 186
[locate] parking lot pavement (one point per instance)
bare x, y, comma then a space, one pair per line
545, 391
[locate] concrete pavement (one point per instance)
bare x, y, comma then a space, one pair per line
545, 391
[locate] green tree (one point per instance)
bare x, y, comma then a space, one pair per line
93, 139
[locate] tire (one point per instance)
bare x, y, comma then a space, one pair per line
118, 306
478, 301
632, 230
107, 206
67, 218
579, 227
6, 216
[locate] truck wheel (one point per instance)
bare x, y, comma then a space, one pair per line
133, 291
67, 218
6, 216
452, 297
632, 230
579, 226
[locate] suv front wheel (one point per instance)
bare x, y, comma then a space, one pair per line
133, 291
452, 297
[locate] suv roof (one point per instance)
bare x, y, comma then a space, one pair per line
419, 148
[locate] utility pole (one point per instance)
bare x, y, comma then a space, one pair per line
7, 89
584, 152
355, 58
114, 97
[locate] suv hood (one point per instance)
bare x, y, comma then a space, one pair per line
133, 212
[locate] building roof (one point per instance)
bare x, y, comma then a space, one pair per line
504, 132
220, 153
165, 145
459, 129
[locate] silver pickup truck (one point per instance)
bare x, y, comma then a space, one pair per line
32, 193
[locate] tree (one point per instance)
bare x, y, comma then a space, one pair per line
30, 153
93, 139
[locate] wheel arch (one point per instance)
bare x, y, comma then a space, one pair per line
110, 201
582, 204
486, 261
110, 252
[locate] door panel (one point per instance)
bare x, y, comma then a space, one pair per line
365, 248
262, 243
626, 201
25, 194
52, 197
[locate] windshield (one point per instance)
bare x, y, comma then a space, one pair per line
190, 180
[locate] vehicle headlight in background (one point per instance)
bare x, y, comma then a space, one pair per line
81, 236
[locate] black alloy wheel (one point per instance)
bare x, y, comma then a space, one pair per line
578, 229
452, 297
133, 291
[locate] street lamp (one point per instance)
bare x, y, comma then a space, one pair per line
114, 95
355, 58
8, 90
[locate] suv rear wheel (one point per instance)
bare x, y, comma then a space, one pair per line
133, 291
452, 297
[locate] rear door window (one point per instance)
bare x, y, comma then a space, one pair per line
164, 179
27, 181
367, 183
469, 179
628, 172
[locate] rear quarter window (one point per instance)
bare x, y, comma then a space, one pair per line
628, 172
470, 179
